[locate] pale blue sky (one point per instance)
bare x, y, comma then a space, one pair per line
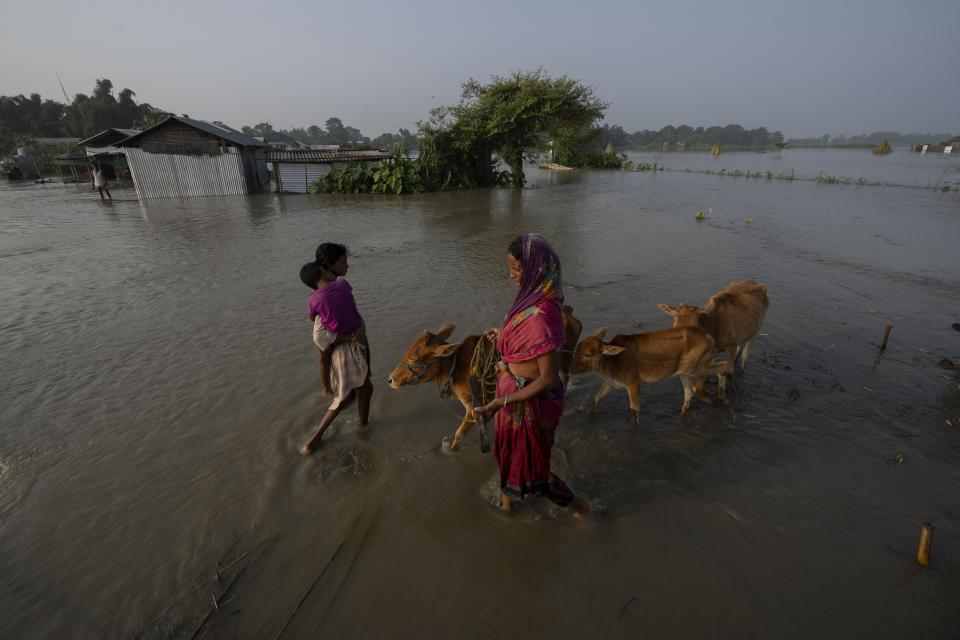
806, 68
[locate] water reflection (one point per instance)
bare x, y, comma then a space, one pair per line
157, 387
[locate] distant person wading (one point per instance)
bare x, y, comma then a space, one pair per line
99, 182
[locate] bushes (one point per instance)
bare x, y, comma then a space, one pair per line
590, 159
397, 175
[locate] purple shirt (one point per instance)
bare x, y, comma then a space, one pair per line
336, 308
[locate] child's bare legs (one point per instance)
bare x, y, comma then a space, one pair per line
328, 418
364, 393
325, 357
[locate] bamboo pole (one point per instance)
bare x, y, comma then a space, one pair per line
926, 541
886, 336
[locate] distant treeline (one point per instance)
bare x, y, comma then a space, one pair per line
872, 139
333, 132
732, 136
23, 119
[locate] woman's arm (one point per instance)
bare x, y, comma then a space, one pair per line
549, 366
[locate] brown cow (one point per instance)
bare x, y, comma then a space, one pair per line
629, 361
732, 317
431, 359
571, 330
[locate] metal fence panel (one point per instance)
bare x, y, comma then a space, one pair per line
168, 175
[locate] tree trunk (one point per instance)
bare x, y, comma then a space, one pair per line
516, 169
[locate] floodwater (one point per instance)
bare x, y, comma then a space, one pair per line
157, 377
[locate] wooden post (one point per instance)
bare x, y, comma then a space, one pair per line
926, 541
886, 336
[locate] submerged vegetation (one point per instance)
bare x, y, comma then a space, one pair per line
882, 149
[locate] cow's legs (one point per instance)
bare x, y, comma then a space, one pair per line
462, 430
633, 391
601, 394
727, 374
744, 354
465, 424
701, 392
689, 386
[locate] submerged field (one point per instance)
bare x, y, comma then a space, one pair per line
158, 377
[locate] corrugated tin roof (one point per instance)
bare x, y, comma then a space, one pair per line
110, 133
311, 156
220, 131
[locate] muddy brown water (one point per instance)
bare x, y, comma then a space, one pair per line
158, 377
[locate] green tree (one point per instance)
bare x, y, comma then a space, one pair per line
516, 115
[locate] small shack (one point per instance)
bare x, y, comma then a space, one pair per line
99, 150
183, 157
296, 170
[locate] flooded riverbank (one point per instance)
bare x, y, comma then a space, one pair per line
158, 377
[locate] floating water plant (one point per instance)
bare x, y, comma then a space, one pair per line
700, 215
882, 149
749, 220
716, 150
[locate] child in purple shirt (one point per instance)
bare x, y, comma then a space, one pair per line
333, 306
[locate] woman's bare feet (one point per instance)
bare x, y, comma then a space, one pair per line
506, 503
580, 508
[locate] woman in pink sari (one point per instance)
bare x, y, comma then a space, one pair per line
529, 399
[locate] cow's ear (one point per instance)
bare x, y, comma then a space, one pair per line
446, 350
445, 331
610, 350
599, 333
667, 309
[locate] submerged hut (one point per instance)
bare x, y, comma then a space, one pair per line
296, 170
100, 150
183, 157
953, 146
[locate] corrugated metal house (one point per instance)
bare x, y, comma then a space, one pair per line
296, 170
183, 157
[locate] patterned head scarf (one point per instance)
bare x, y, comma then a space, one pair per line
542, 278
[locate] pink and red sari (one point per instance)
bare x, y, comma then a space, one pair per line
524, 431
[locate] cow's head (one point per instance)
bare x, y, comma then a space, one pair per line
590, 351
421, 361
685, 315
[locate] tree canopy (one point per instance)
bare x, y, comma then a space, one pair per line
518, 115
34, 117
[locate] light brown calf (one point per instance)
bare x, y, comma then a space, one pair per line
732, 317
630, 361
431, 359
